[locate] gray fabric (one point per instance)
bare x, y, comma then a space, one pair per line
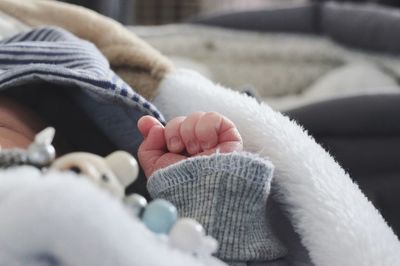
118, 123
366, 115
44, 260
364, 26
363, 134
281, 225
292, 19
55, 55
227, 194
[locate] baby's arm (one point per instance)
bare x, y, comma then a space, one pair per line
226, 192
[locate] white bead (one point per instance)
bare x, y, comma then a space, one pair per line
92, 166
40, 154
124, 167
187, 235
136, 203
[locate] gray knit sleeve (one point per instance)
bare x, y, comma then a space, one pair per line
227, 194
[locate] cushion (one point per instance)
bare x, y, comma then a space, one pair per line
287, 19
364, 26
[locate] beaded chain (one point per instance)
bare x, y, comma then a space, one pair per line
13, 157
160, 216
40, 153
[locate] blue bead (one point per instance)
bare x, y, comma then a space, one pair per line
159, 216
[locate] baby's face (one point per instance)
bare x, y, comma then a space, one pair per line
18, 124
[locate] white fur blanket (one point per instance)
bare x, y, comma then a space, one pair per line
336, 222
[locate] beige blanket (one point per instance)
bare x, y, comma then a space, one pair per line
141, 66
286, 70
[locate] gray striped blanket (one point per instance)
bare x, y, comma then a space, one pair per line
55, 55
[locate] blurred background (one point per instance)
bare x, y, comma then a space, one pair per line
156, 12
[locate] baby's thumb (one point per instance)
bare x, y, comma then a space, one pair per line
145, 123
153, 145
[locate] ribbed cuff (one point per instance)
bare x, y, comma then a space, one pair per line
227, 194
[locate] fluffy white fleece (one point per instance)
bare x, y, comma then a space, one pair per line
336, 222
66, 220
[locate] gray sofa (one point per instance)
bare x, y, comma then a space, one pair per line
362, 133
365, 26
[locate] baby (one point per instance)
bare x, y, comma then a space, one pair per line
195, 162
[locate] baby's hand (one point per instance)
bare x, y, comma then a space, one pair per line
183, 137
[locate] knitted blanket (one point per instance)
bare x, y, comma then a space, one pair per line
54, 55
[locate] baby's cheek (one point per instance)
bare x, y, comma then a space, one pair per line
11, 139
19, 124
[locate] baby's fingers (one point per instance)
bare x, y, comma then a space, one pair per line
229, 133
172, 135
187, 132
145, 123
215, 130
207, 128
